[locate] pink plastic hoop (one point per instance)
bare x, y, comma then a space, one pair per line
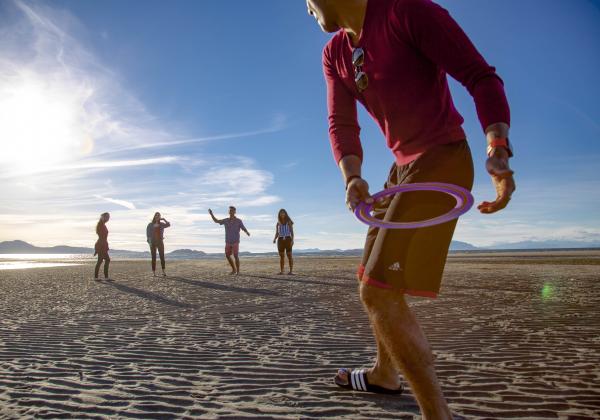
463, 197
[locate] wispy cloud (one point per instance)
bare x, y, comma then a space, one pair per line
110, 164
278, 124
127, 204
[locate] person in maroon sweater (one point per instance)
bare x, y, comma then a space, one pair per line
393, 56
101, 246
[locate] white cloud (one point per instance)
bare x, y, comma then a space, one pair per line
241, 180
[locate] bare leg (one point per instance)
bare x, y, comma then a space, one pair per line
281, 262
106, 264
161, 253
401, 335
384, 373
98, 264
237, 263
230, 261
291, 261
153, 254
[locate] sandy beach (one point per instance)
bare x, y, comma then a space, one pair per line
514, 335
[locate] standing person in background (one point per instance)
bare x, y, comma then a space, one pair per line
232, 237
393, 56
284, 235
154, 236
101, 246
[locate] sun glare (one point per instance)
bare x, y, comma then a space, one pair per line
41, 125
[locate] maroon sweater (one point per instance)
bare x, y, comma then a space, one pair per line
410, 46
101, 246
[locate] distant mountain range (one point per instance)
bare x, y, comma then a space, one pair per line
21, 247
551, 244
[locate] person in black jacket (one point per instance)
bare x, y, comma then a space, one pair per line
154, 236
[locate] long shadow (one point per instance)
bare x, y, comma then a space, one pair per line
321, 276
491, 288
148, 295
283, 278
216, 286
388, 402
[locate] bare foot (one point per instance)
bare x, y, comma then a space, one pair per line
391, 381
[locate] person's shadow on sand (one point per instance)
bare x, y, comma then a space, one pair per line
148, 295
398, 403
290, 279
225, 288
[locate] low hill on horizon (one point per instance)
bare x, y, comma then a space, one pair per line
22, 247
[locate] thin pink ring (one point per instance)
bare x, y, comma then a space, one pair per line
463, 197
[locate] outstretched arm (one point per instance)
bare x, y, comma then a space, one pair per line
213, 216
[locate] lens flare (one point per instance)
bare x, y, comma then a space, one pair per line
547, 291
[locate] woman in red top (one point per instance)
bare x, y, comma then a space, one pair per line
101, 247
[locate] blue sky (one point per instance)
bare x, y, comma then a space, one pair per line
133, 107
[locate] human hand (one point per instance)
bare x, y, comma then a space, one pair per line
502, 178
274, 240
210, 211
357, 191
248, 233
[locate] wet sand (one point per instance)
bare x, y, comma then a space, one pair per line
515, 336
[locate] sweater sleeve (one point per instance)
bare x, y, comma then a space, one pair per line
344, 131
433, 32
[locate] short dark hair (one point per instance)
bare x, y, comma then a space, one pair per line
232, 208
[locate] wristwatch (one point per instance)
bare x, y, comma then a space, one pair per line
350, 178
499, 142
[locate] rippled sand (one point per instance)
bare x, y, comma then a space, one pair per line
515, 337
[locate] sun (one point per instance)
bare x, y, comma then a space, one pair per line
42, 124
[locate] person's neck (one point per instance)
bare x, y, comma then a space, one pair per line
352, 18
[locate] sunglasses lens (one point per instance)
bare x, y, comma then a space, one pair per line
362, 81
358, 57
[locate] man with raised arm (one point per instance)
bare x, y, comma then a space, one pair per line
233, 225
393, 56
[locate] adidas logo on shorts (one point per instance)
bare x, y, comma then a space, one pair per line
395, 267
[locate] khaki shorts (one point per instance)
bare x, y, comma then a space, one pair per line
412, 260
